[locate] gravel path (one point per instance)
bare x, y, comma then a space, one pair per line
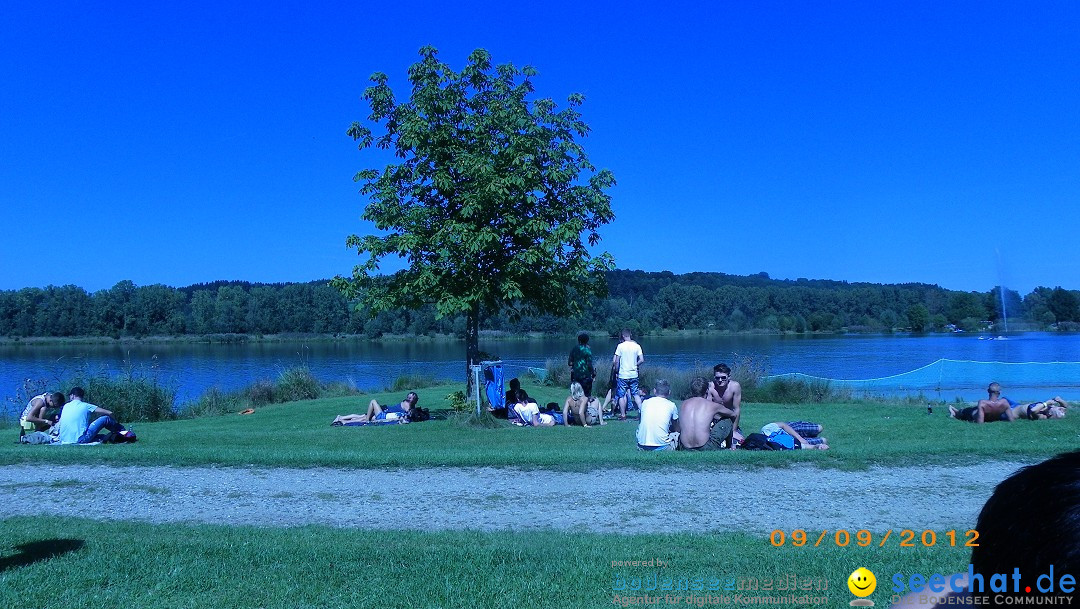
757, 501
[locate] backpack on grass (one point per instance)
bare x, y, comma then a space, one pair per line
120, 437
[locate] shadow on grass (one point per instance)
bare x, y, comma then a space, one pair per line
35, 551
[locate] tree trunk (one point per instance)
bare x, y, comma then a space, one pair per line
472, 346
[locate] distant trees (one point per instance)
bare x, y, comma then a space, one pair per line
644, 302
1064, 305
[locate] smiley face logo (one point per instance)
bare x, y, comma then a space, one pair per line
861, 582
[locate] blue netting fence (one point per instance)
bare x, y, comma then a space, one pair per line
949, 377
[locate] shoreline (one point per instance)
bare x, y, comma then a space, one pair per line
491, 335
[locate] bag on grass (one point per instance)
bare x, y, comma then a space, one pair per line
125, 436
36, 437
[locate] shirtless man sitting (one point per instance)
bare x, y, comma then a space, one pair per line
994, 408
727, 392
704, 423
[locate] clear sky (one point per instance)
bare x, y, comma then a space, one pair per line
900, 141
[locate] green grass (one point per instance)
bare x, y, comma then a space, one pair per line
298, 434
67, 562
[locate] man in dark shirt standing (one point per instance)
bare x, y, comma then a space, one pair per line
581, 364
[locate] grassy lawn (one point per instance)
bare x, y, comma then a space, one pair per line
299, 434
63, 562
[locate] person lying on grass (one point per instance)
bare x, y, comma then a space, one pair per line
792, 435
704, 424
378, 412
579, 403
1054, 408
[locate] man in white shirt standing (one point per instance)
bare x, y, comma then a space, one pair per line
628, 357
658, 429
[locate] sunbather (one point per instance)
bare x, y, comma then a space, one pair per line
378, 412
703, 423
994, 408
1054, 408
795, 435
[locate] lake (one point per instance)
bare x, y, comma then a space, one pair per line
194, 368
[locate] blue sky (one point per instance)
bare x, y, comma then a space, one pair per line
860, 141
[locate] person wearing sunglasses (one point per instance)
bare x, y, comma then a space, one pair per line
727, 392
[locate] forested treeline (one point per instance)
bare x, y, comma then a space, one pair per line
644, 302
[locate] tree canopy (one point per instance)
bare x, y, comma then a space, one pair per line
491, 202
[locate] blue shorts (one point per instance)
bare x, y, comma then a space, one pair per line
626, 386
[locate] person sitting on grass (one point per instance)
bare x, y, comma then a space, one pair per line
727, 391
658, 428
703, 423
578, 403
529, 411
994, 408
75, 424
515, 394
35, 415
378, 412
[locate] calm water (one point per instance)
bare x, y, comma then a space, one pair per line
194, 368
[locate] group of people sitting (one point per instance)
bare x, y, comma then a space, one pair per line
579, 408
999, 408
50, 418
709, 420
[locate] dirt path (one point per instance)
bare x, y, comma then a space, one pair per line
619, 501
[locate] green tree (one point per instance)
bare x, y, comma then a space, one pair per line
964, 305
918, 317
202, 311
230, 309
488, 205
1064, 305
